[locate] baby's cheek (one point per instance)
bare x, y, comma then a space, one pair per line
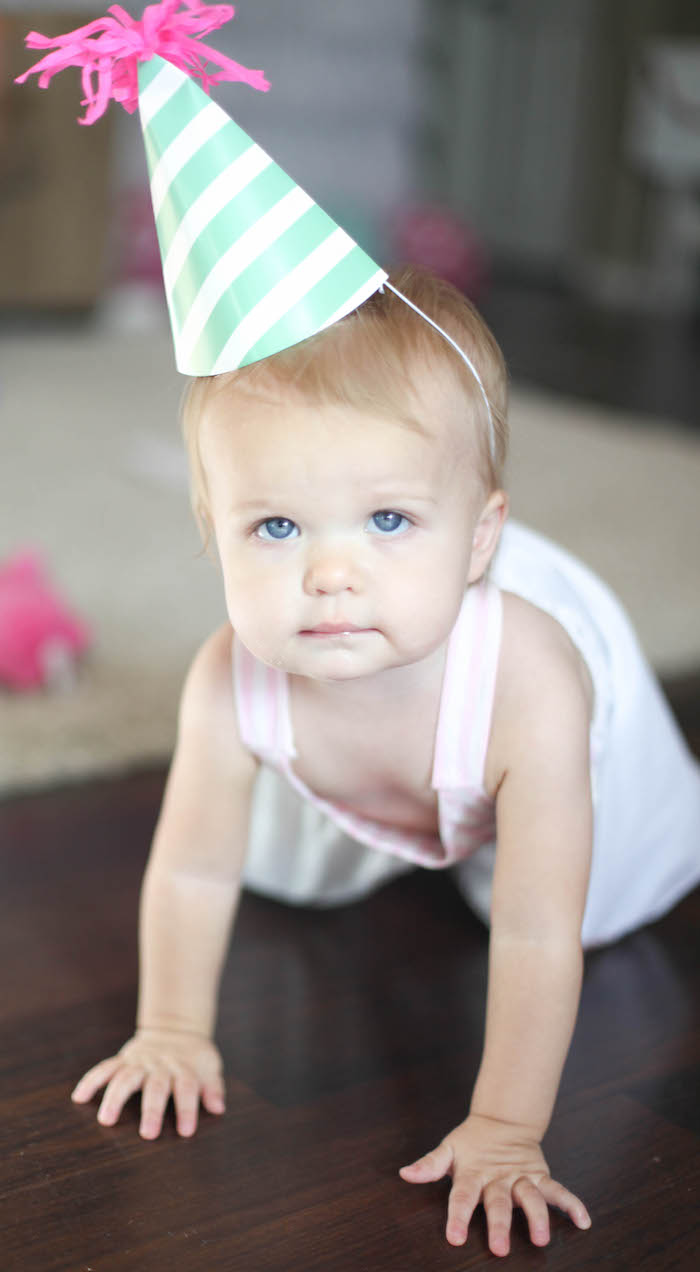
429, 615
245, 611
258, 623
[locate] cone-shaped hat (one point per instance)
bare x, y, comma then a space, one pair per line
251, 264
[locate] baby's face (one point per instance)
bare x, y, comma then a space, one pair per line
344, 538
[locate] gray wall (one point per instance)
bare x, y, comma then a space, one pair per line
531, 108
347, 97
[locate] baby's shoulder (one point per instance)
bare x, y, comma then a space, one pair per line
538, 657
209, 683
543, 683
208, 716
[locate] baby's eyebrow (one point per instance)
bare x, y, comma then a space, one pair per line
261, 505
380, 497
396, 498
249, 505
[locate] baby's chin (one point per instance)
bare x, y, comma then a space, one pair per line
337, 658
347, 667
330, 659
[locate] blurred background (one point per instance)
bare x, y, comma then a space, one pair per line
542, 154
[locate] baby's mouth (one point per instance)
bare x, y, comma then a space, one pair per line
335, 629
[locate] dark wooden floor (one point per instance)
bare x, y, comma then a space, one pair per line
351, 1039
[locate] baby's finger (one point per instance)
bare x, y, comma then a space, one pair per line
433, 1166
156, 1093
120, 1089
556, 1195
214, 1096
94, 1079
464, 1198
528, 1196
499, 1215
186, 1096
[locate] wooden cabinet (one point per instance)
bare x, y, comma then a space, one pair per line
54, 178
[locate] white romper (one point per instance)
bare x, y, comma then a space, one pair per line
646, 785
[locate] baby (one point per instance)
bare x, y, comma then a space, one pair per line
402, 682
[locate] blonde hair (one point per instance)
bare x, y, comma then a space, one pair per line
375, 360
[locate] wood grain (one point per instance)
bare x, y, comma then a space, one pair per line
351, 1038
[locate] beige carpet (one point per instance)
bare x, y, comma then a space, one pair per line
93, 475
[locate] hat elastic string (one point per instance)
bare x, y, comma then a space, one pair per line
465, 358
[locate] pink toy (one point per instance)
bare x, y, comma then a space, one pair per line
40, 640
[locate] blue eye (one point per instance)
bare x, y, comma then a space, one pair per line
277, 528
388, 522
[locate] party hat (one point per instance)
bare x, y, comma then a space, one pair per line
251, 264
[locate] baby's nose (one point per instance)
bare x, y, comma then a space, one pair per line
330, 572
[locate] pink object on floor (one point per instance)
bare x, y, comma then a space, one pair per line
40, 639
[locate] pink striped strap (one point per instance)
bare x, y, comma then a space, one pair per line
469, 687
260, 695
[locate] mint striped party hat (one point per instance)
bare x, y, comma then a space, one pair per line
251, 264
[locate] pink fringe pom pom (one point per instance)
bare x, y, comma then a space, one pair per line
109, 50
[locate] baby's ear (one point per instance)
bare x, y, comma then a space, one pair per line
487, 533
206, 530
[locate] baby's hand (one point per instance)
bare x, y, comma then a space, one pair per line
495, 1162
160, 1064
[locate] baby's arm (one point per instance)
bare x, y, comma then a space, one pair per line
188, 900
544, 824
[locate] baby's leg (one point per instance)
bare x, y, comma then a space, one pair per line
297, 854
